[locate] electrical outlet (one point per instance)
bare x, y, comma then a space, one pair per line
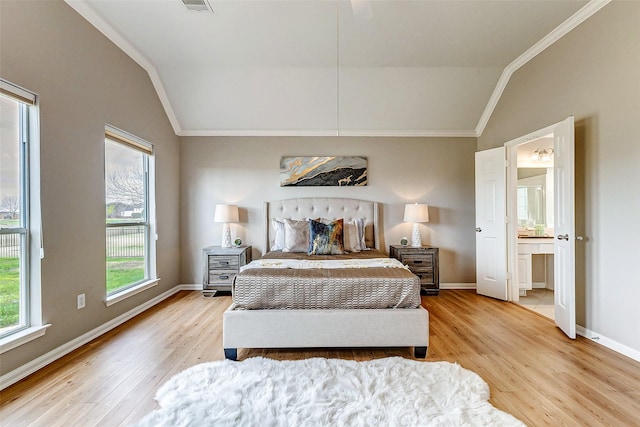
80, 301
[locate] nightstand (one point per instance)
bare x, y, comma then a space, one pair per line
221, 265
423, 262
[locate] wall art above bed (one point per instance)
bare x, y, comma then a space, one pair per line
338, 171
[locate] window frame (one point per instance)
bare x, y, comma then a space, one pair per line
123, 138
31, 249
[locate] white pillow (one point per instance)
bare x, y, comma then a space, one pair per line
350, 236
296, 236
360, 225
278, 227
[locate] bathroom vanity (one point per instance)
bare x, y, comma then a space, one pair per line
527, 248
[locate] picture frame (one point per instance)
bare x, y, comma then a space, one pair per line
323, 171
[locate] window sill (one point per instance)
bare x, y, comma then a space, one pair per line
22, 337
113, 299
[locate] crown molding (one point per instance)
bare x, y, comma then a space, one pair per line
108, 31
367, 133
252, 132
411, 133
560, 31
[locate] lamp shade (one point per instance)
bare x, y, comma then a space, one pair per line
416, 213
226, 213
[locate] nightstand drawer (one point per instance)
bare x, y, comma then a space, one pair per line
223, 262
418, 261
222, 277
426, 277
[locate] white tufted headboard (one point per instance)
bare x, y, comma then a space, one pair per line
331, 208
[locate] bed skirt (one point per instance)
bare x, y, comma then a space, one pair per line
325, 328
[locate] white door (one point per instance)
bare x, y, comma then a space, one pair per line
564, 248
491, 242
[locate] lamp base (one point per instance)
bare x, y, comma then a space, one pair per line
226, 235
416, 241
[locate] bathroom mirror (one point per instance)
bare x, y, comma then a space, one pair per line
535, 204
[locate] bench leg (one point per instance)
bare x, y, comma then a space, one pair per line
420, 352
231, 353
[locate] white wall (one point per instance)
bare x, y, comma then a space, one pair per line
592, 73
83, 81
245, 171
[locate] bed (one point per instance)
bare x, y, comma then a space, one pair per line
384, 312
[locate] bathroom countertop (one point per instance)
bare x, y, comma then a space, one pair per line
535, 239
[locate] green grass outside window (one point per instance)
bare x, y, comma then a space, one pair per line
120, 272
9, 292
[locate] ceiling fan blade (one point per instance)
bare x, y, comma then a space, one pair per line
362, 9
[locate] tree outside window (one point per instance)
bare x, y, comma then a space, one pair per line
127, 223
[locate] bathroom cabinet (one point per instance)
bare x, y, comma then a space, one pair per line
527, 247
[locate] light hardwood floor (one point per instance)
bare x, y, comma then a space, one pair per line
533, 370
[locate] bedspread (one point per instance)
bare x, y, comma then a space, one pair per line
326, 284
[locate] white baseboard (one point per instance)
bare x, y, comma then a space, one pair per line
28, 368
457, 286
608, 342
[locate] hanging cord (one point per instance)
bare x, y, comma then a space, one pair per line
337, 67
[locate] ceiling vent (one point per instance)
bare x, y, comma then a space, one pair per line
197, 5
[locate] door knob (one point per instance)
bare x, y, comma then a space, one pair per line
478, 229
563, 237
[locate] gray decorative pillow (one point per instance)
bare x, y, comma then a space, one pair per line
296, 236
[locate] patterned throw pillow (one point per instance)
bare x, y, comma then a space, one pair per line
325, 239
296, 236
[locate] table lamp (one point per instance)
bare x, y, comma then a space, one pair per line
416, 213
226, 214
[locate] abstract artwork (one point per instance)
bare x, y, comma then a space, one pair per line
339, 171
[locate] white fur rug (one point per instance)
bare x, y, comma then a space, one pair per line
326, 392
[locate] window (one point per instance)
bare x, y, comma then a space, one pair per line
18, 289
130, 233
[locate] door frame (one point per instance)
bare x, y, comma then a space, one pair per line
511, 148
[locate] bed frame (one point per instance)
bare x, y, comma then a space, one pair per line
325, 328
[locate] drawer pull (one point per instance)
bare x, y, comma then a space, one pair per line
224, 262
223, 277
417, 261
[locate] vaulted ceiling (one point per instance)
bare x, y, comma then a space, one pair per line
327, 67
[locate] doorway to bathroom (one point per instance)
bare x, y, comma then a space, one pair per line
535, 231
541, 238
497, 243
